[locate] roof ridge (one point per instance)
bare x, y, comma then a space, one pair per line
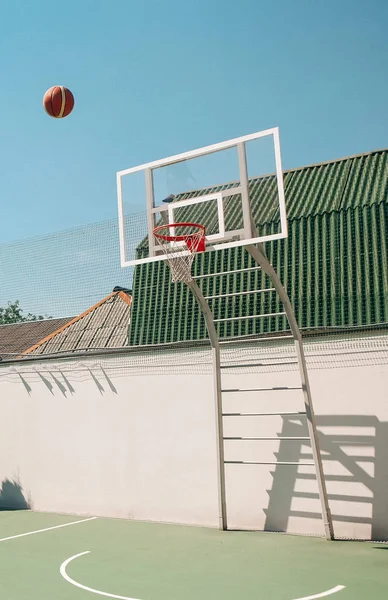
333, 161
74, 320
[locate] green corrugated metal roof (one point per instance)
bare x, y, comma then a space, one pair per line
333, 264
356, 181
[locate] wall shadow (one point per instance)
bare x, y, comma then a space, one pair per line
99, 386
65, 387
354, 451
109, 381
12, 496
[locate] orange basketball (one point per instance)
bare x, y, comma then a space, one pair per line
58, 102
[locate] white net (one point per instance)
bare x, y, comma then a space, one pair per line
180, 243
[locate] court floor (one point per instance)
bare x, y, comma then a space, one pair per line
47, 556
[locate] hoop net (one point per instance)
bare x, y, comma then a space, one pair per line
180, 243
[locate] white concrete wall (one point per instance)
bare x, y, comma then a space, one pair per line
134, 436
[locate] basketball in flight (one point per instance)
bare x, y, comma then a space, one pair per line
58, 102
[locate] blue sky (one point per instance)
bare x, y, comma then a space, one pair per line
151, 79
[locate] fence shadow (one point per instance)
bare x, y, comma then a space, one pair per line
354, 450
12, 496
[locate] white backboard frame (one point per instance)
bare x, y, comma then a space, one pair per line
196, 200
246, 235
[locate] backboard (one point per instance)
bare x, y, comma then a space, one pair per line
234, 188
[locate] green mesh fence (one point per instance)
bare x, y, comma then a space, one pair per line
334, 266
64, 273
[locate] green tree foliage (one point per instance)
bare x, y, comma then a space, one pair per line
12, 313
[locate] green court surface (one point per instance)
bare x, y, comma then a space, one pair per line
125, 560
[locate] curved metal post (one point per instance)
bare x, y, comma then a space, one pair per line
258, 254
222, 517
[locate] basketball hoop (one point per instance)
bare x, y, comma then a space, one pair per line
180, 243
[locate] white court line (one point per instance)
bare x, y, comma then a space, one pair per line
338, 588
13, 537
62, 571
63, 566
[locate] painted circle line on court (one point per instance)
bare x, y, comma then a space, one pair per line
63, 566
333, 590
62, 571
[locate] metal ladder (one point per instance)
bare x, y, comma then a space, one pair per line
262, 262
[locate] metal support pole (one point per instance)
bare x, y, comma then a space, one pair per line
246, 205
216, 358
150, 201
258, 254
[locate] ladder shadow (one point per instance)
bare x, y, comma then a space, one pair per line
354, 451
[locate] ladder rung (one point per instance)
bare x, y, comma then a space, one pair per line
249, 338
278, 414
278, 314
275, 364
240, 293
315, 495
272, 389
254, 462
227, 272
267, 438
